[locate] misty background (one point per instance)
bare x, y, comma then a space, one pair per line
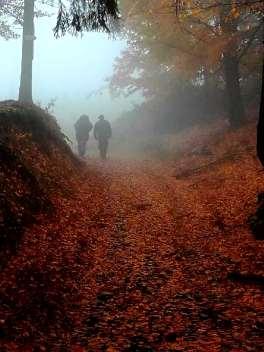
161, 87
72, 70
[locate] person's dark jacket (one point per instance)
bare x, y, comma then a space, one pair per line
82, 128
102, 130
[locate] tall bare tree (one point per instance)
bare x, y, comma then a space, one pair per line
74, 16
25, 90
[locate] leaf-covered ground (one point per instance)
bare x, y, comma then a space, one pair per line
142, 256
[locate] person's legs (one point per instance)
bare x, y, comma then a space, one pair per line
103, 146
106, 148
100, 147
81, 147
85, 146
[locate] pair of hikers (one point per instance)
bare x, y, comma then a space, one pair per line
102, 133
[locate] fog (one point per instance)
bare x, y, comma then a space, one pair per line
136, 221
69, 69
158, 93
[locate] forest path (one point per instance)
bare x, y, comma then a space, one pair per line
137, 261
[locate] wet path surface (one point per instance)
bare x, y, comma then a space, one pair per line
136, 261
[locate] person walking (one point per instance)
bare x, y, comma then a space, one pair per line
102, 133
83, 127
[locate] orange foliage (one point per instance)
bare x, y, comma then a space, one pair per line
136, 259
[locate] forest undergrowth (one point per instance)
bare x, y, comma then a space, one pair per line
142, 256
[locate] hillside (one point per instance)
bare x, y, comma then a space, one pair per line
36, 163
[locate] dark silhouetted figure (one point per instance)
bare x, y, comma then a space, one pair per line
82, 129
102, 133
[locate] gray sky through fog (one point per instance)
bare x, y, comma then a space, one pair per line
68, 69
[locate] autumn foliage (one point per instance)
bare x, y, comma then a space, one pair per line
213, 48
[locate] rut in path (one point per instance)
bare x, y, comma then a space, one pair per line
140, 263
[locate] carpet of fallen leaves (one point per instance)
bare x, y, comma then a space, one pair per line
139, 259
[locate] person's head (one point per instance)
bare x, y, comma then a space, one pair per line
84, 117
101, 117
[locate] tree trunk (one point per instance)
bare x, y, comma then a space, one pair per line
260, 130
25, 90
233, 91
234, 99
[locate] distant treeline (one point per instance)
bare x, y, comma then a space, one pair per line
187, 105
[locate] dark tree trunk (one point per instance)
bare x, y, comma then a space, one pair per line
234, 99
233, 91
25, 90
260, 130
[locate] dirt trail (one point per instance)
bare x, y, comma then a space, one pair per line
141, 263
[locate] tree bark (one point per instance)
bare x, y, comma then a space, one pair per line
233, 91
25, 90
234, 99
260, 128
